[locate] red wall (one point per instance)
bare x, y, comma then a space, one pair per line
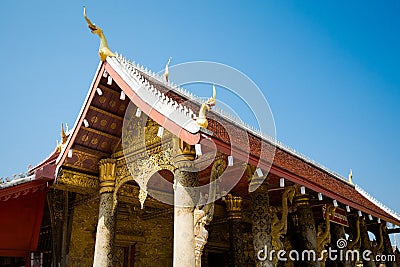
20, 221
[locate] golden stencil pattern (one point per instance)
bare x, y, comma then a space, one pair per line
94, 141
112, 103
94, 119
104, 145
84, 138
103, 122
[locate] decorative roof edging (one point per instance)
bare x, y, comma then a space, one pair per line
391, 212
15, 182
179, 114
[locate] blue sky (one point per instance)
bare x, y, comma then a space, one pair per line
329, 70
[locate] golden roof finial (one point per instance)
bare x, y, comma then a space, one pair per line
202, 119
166, 73
351, 176
104, 51
64, 136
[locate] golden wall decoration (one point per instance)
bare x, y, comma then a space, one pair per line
84, 161
143, 155
77, 182
140, 170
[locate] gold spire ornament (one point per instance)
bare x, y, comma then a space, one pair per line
351, 176
202, 119
104, 51
64, 136
166, 73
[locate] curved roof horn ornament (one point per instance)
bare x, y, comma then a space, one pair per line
351, 176
166, 73
104, 51
202, 119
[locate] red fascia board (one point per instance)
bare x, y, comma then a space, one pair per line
49, 160
22, 188
46, 173
251, 159
333, 195
150, 111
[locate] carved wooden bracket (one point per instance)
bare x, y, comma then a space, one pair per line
324, 237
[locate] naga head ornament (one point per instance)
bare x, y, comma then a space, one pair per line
104, 51
92, 27
206, 106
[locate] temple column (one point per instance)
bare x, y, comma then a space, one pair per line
366, 249
261, 225
104, 248
59, 207
397, 254
234, 208
185, 200
306, 230
387, 249
337, 233
353, 242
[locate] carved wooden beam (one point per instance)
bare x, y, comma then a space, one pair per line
107, 113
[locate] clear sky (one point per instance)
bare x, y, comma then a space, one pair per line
329, 70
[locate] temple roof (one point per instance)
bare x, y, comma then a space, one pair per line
22, 202
175, 109
35, 178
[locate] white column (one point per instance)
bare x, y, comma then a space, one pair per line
105, 234
184, 200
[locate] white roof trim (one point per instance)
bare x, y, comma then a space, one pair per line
169, 108
377, 203
18, 181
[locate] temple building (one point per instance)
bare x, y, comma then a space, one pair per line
151, 176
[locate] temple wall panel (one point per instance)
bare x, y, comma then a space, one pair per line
156, 248
82, 241
138, 242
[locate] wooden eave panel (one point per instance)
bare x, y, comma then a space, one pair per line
110, 101
98, 121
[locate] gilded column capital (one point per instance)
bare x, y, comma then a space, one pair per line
299, 198
184, 154
233, 206
107, 175
255, 182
